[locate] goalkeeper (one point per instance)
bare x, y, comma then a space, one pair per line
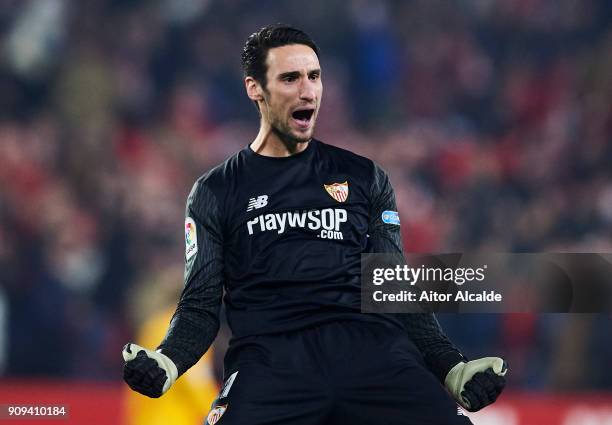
281, 226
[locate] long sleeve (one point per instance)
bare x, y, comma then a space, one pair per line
384, 237
195, 322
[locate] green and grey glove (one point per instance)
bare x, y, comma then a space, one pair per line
148, 372
477, 383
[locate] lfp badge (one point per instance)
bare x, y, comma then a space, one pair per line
191, 239
390, 217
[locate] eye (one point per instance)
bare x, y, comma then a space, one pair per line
289, 78
314, 76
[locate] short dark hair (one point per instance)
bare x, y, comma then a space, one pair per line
255, 51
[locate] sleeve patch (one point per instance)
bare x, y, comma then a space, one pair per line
191, 239
390, 217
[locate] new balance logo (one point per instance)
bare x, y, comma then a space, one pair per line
256, 203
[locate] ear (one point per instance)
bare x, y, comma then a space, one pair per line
253, 89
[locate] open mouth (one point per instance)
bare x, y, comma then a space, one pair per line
303, 116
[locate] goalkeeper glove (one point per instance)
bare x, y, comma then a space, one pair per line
477, 383
149, 372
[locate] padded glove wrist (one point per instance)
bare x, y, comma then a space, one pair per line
148, 372
477, 383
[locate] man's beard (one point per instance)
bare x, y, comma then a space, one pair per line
289, 140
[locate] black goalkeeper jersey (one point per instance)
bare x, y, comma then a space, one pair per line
284, 238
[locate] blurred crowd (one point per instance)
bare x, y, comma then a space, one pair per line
493, 118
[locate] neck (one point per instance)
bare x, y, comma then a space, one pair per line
269, 143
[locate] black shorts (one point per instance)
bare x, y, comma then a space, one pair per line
339, 373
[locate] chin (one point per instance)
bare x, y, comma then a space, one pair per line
303, 138
300, 137
294, 136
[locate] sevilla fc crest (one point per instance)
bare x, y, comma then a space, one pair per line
215, 414
338, 191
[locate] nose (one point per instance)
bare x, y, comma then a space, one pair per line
307, 90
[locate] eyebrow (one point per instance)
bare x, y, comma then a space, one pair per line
296, 74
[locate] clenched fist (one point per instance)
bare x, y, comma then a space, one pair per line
148, 372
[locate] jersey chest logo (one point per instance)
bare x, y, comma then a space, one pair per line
257, 203
338, 191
